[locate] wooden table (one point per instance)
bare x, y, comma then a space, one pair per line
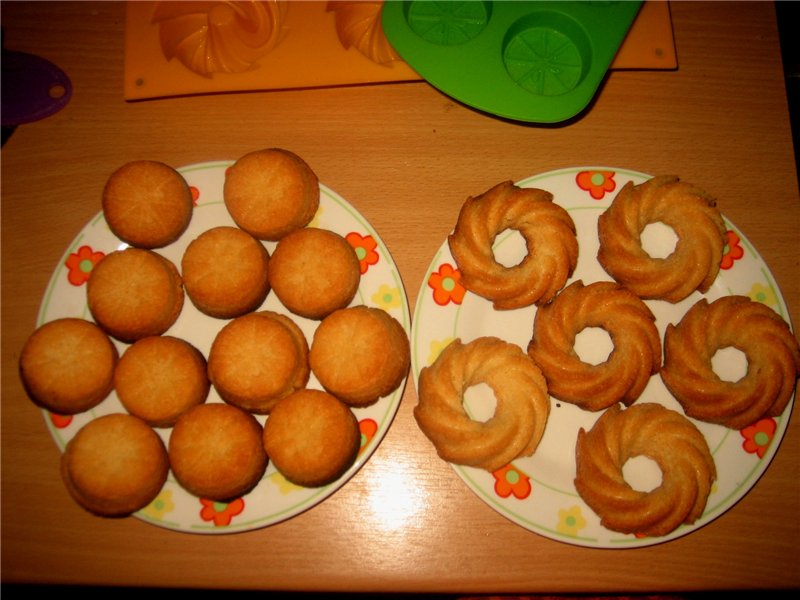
406, 156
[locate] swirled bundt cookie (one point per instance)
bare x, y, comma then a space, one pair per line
549, 232
520, 415
661, 434
696, 221
629, 323
772, 353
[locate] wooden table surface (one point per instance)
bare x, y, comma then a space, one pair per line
406, 156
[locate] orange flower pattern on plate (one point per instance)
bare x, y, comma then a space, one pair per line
195, 194
365, 249
368, 428
758, 436
732, 252
80, 264
220, 513
510, 480
446, 285
60, 421
597, 183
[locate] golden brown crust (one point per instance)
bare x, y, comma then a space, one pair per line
257, 359
549, 232
696, 221
631, 326
134, 293
226, 272
312, 438
314, 272
115, 465
760, 333
661, 434
360, 354
147, 204
271, 192
215, 451
67, 365
522, 409
159, 377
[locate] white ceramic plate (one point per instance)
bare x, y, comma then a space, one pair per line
537, 492
274, 499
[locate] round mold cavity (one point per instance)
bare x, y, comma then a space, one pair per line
447, 23
546, 53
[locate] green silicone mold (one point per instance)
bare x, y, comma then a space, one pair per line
529, 61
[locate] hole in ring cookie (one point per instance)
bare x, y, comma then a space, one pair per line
658, 239
480, 402
509, 248
593, 345
642, 473
729, 363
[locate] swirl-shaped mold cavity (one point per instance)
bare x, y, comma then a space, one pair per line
755, 329
520, 415
661, 434
219, 37
629, 323
549, 233
694, 217
358, 25
448, 23
546, 53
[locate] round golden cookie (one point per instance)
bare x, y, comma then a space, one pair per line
550, 240
314, 272
134, 293
661, 434
159, 377
147, 204
773, 361
630, 324
271, 192
225, 272
520, 415
115, 465
257, 359
67, 365
312, 438
216, 453
694, 217
360, 354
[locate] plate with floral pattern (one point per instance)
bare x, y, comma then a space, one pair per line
537, 492
274, 499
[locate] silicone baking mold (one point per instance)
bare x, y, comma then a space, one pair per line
530, 61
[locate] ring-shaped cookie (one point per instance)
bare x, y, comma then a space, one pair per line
755, 329
520, 415
550, 239
629, 323
693, 216
666, 437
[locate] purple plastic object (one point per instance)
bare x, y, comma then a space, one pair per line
33, 88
